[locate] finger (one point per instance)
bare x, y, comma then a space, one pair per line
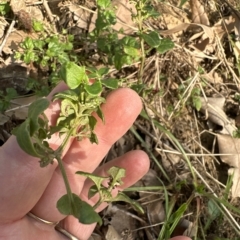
136, 164
22, 180
84, 156
28, 228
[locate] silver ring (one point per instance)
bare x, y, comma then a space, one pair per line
66, 233
42, 220
54, 224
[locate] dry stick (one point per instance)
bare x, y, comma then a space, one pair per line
16, 108
237, 13
7, 35
34, 4
49, 13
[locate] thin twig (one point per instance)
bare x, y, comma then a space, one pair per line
49, 13
7, 35
16, 108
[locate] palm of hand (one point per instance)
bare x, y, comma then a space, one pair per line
26, 187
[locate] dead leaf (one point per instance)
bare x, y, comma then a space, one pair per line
125, 9
206, 43
236, 44
206, 29
213, 108
95, 236
229, 145
198, 13
124, 17
213, 77
18, 5
3, 119
121, 221
224, 26
3, 24
191, 230
182, 228
112, 234
201, 46
156, 212
170, 160
79, 17
14, 39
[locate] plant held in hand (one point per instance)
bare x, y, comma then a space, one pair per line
78, 103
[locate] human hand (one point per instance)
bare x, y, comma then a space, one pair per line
26, 187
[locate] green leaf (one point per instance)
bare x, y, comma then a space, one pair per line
165, 45
73, 75
138, 87
39, 44
94, 89
100, 114
103, 71
34, 110
134, 52
87, 214
29, 57
197, 103
93, 138
79, 209
4, 8
11, 93
92, 191
103, 3
152, 39
151, 12
117, 174
28, 43
182, 3
38, 26
96, 179
68, 107
92, 122
69, 94
213, 210
24, 140
120, 60
111, 83
124, 198
65, 206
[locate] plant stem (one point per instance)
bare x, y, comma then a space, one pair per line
65, 179
140, 27
62, 169
99, 202
65, 141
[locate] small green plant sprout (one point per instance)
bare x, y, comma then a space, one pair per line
114, 51
78, 103
4, 8
5, 98
47, 51
195, 98
237, 97
128, 49
236, 133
